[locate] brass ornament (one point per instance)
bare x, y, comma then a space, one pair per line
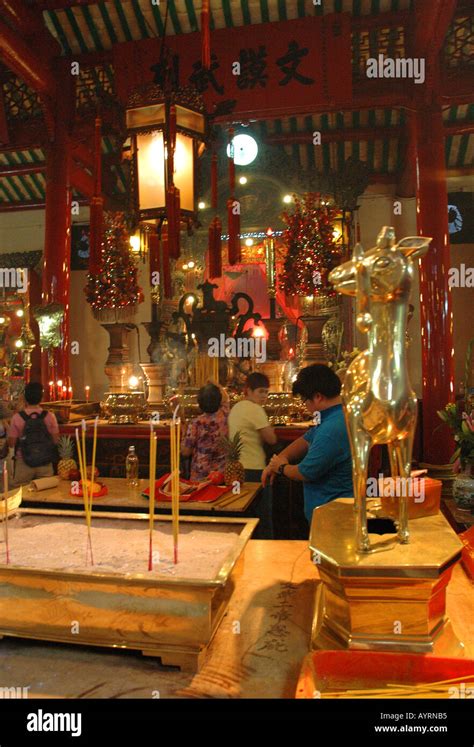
379, 403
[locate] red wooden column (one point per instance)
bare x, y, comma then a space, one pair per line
57, 241
435, 298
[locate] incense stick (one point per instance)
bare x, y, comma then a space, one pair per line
175, 429
91, 497
85, 491
5, 498
151, 490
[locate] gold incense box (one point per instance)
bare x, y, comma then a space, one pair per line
171, 618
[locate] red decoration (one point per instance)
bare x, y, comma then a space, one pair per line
215, 227
311, 250
174, 220
214, 181
215, 248
205, 35
233, 227
233, 210
115, 284
317, 48
97, 202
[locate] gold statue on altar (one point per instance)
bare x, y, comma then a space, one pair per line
379, 403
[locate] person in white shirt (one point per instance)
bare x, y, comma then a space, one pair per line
250, 419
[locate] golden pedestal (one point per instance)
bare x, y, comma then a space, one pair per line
157, 380
390, 599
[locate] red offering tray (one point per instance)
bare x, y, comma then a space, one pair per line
337, 671
206, 494
77, 492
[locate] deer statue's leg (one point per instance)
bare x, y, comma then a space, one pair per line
403, 451
361, 444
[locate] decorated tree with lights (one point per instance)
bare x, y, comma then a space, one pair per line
311, 249
113, 290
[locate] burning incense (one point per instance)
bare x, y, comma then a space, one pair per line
94, 448
152, 478
175, 428
5, 522
83, 469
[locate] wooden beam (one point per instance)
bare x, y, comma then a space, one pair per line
432, 19
14, 207
4, 134
22, 169
29, 23
406, 182
61, 4
355, 134
350, 134
18, 56
83, 154
463, 127
82, 182
457, 88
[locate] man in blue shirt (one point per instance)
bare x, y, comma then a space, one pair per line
323, 454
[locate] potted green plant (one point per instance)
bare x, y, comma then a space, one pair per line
462, 426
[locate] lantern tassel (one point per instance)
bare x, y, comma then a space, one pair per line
233, 208
215, 248
173, 209
233, 228
166, 262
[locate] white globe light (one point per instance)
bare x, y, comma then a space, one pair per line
245, 149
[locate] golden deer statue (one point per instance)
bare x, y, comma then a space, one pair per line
380, 406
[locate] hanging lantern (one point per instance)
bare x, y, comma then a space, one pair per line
166, 136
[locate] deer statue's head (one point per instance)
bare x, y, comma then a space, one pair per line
382, 274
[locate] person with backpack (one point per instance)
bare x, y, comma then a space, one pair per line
33, 434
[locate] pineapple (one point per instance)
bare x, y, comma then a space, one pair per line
66, 463
234, 470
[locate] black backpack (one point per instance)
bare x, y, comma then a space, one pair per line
37, 446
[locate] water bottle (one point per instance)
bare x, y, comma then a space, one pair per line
131, 467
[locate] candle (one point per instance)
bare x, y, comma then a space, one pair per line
51, 390
88, 392
5, 519
59, 385
70, 393
64, 396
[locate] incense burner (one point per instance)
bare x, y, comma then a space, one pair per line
170, 617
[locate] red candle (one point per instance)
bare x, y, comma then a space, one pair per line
51, 390
70, 393
88, 392
59, 389
64, 392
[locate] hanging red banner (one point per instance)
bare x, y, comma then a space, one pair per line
267, 69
